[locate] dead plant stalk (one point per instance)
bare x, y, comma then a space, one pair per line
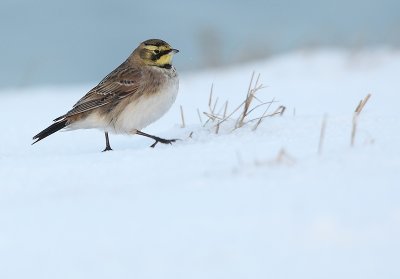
249, 99
322, 135
183, 118
356, 114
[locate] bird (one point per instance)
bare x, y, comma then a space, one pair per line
137, 93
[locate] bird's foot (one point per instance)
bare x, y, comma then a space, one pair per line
163, 141
108, 148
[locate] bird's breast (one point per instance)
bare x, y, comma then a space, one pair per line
144, 110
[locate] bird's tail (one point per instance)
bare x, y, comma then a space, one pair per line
50, 130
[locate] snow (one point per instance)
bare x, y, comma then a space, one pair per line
212, 206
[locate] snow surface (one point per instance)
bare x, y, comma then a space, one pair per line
212, 206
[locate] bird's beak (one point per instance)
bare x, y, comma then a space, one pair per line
174, 50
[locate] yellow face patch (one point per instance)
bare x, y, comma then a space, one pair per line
157, 55
165, 59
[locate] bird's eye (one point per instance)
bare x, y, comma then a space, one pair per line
156, 51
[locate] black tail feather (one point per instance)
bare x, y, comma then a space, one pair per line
50, 130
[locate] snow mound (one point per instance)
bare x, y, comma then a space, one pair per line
242, 203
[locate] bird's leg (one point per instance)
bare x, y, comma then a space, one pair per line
157, 139
108, 147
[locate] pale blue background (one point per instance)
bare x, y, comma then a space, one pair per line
69, 42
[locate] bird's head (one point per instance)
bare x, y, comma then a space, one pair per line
155, 52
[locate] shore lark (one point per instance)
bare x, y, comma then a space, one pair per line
134, 95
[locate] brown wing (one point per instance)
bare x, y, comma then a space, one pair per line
122, 82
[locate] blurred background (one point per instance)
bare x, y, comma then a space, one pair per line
52, 42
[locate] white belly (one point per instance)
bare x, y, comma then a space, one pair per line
145, 110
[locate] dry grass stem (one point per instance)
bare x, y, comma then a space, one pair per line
361, 105
199, 114
212, 116
210, 97
353, 131
280, 110
263, 115
247, 102
226, 108
241, 114
211, 107
249, 99
232, 113
223, 117
357, 112
263, 104
282, 158
322, 135
182, 118
262, 118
